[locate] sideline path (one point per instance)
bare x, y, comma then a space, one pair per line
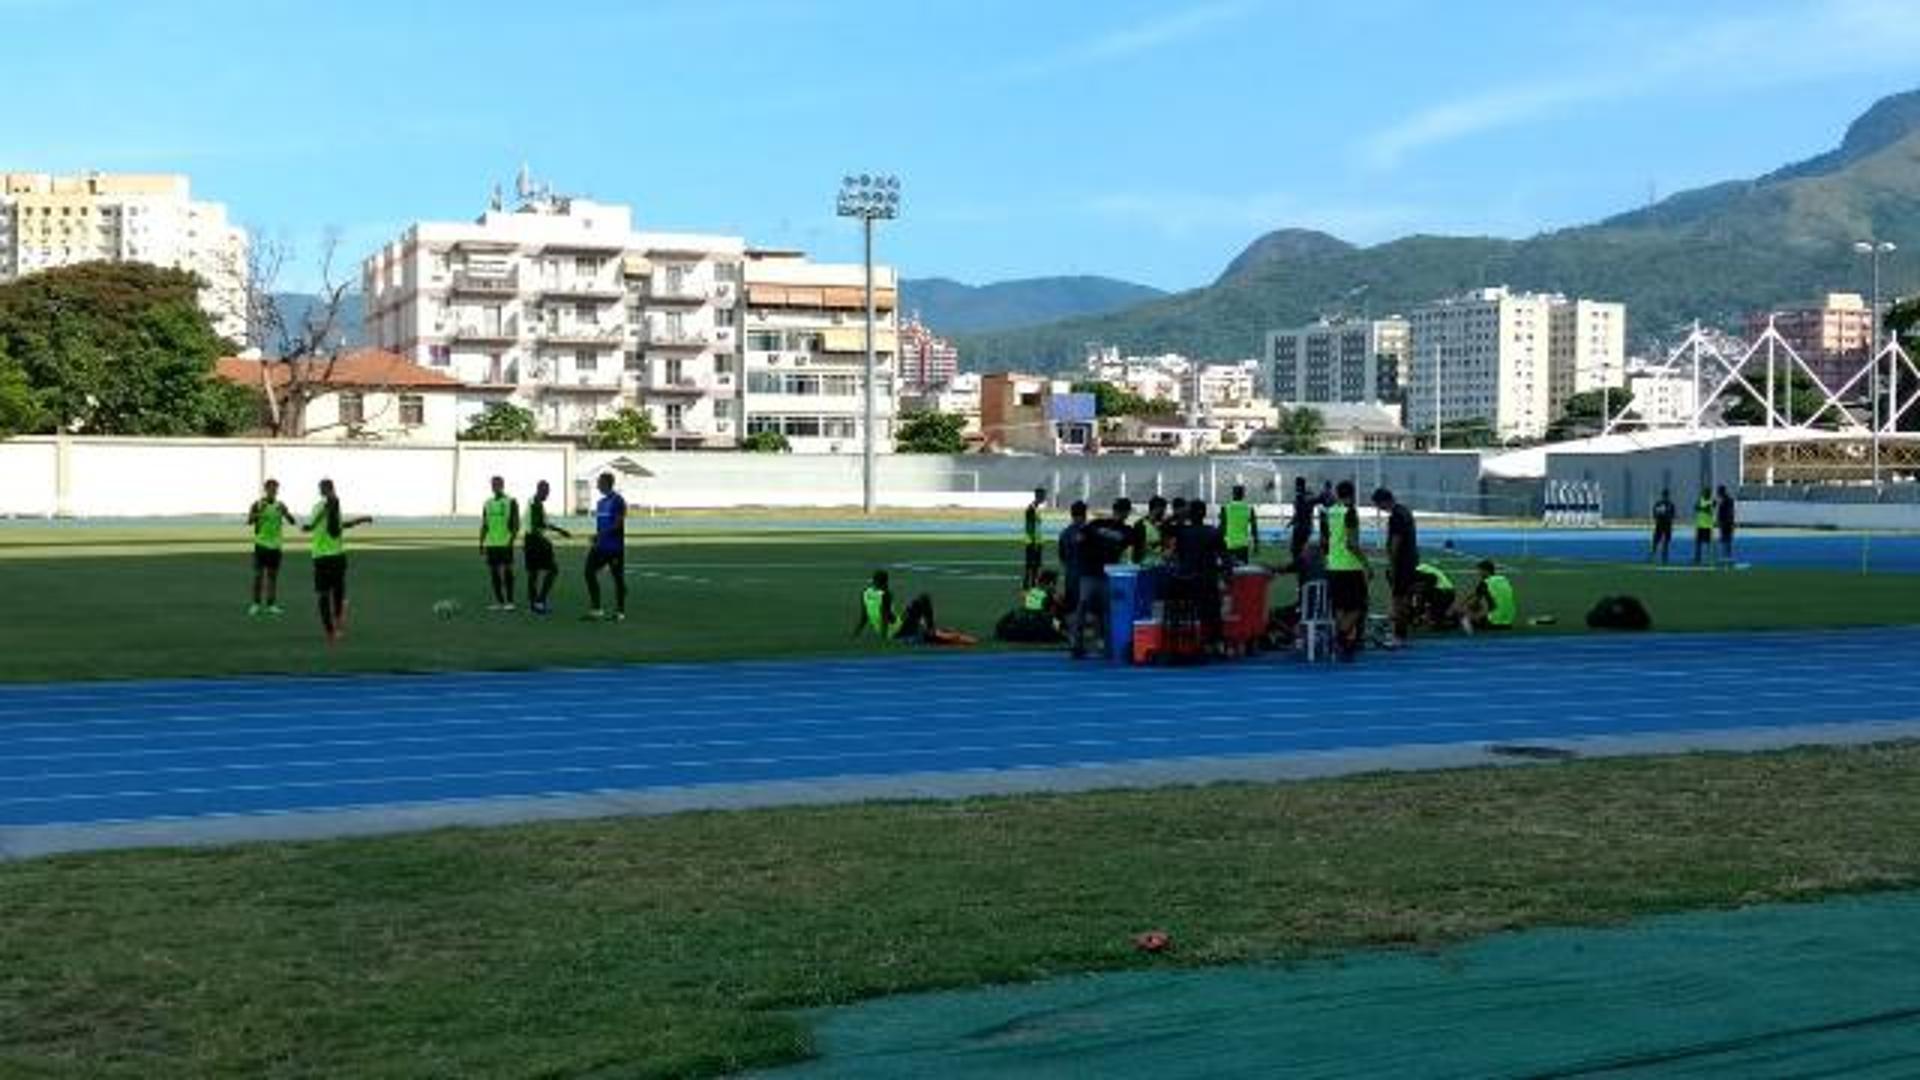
98, 765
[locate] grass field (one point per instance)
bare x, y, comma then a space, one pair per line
114, 602
675, 946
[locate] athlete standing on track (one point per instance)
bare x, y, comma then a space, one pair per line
542, 567
1662, 527
328, 528
609, 551
499, 526
1036, 551
268, 517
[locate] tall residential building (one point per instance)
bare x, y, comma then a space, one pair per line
1833, 336
1510, 358
560, 306
1330, 362
48, 221
806, 358
927, 361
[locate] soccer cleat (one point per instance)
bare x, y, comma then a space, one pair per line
506, 607
619, 616
276, 610
253, 609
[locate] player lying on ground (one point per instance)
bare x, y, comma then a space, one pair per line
915, 625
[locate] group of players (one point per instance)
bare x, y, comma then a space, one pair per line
1324, 545
500, 530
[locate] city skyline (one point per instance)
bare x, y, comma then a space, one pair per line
1139, 141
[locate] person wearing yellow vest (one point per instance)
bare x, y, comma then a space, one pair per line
1492, 605
1030, 530
268, 517
499, 528
328, 529
1240, 527
1037, 619
1347, 571
880, 617
1703, 509
1153, 532
1434, 595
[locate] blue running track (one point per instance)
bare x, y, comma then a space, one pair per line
86, 754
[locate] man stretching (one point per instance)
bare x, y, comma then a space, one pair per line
609, 552
542, 567
499, 526
269, 518
328, 528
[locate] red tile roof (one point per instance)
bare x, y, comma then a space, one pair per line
363, 368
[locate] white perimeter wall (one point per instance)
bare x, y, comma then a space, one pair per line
89, 477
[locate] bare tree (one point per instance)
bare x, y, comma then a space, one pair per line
303, 352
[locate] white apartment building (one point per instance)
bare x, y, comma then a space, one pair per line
1173, 377
1330, 362
48, 221
805, 358
959, 397
1494, 355
1661, 399
561, 307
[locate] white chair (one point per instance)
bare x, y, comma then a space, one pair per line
1316, 620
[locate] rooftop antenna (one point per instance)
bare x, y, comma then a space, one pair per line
523, 182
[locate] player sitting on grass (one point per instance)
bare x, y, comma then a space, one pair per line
1434, 597
1037, 619
1491, 605
915, 625
542, 567
269, 518
499, 526
329, 531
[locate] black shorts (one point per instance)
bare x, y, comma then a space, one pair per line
1347, 590
539, 555
597, 559
1662, 530
329, 572
1403, 581
266, 558
500, 556
1703, 536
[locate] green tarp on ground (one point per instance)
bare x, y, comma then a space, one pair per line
1826, 989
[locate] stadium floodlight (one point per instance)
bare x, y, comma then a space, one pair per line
869, 197
1873, 249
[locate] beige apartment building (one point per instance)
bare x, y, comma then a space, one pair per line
1509, 358
806, 343
48, 221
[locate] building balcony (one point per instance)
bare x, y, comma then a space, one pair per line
662, 337
686, 385
583, 288
592, 385
603, 337
504, 334
471, 284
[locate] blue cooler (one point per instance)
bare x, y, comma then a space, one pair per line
1132, 593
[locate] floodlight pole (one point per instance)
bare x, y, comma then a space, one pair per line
867, 462
1873, 250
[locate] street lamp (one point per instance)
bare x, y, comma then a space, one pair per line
870, 198
1873, 250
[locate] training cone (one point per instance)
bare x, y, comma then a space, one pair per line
1153, 941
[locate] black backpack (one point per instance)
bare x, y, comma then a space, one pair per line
1619, 613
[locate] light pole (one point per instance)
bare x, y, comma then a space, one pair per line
870, 198
1873, 250
1439, 356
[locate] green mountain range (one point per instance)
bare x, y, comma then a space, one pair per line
1713, 254
950, 307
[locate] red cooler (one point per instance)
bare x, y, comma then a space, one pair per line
1244, 614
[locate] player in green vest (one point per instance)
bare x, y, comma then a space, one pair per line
1347, 571
1240, 527
1153, 532
1037, 619
1434, 596
879, 616
1493, 605
268, 517
328, 528
499, 528
1030, 531
1702, 524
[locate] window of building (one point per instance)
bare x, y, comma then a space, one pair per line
413, 410
353, 408
586, 361
635, 363
584, 313
676, 369
764, 341
676, 417
440, 355
586, 266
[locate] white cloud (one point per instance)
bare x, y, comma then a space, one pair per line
1127, 41
1769, 48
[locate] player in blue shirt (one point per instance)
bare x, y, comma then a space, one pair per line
609, 551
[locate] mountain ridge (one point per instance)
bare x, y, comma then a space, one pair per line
952, 307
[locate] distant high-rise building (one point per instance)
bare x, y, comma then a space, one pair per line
1833, 336
48, 221
927, 361
1510, 359
1336, 361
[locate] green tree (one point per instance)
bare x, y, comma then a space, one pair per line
1583, 413
627, 429
931, 433
19, 407
1471, 433
502, 422
1301, 431
766, 442
1795, 396
115, 349
1110, 400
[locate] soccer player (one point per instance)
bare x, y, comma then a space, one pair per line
1199, 561
1403, 561
499, 527
1068, 547
1153, 532
1723, 516
1703, 515
1239, 527
1491, 605
268, 517
542, 567
1035, 550
916, 624
328, 527
1434, 596
1103, 542
1300, 529
609, 551
1662, 527
1347, 572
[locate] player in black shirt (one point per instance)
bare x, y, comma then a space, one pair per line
1403, 557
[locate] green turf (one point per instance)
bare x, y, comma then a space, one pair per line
675, 946
108, 602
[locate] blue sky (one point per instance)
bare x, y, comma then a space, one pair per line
1148, 141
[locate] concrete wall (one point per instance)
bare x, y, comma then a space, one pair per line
97, 477
1846, 517
1629, 483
